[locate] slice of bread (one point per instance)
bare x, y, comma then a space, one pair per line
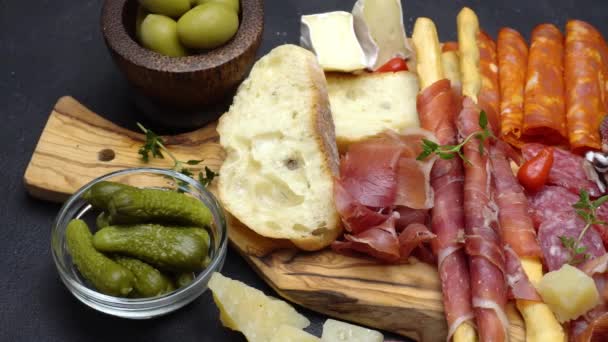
367, 104
281, 155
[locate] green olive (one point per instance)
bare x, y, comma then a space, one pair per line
234, 4
207, 26
159, 33
171, 8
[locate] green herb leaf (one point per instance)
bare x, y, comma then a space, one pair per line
208, 177
151, 146
483, 119
598, 202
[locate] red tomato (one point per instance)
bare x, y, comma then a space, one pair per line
534, 173
393, 65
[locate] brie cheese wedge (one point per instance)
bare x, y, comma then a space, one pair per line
331, 36
381, 22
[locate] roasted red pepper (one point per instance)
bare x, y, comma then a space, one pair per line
393, 65
533, 174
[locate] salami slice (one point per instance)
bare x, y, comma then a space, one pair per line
437, 110
544, 106
566, 225
488, 283
512, 64
489, 93
584, 82
568, 171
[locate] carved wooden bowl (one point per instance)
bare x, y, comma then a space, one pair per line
190, 82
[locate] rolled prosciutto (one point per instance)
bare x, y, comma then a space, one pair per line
437, 108
483, 242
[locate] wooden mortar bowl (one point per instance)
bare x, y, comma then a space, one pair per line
187, 83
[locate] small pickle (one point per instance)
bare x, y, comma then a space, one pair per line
175, 249
149, 282
106, 275
103, 220
153, 205
100, 193
183, 279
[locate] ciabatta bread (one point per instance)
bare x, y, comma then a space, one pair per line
367, 104
281, 155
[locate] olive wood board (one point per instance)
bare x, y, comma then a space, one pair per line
77, 146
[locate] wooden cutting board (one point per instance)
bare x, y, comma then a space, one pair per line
77, 146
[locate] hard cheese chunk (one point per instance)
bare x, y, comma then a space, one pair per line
250, 311
382, 22
331, 36
336, 331
288, 333
367, 104
568, 292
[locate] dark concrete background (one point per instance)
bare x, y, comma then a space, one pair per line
51, 48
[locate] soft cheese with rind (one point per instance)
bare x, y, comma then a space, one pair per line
381, 22
365, 105
331, 36
281, 154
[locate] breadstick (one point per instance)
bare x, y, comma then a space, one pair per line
428, 52
451, 66
468, 28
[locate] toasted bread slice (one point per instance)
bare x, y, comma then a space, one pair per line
281, 155
367, 104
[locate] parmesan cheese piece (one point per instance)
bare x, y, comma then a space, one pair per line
331, 36
381, 21
336, 331
287, 333
568, 292
250, 311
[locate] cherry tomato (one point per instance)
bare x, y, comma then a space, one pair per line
393, 65
534, 173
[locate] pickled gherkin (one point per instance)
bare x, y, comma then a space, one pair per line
104, 274
184, 279
100, 193
176, 249
134, 205
149, 282
102, 220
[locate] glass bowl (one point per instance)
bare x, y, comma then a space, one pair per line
140, 308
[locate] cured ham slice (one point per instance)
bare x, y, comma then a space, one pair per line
437, 109
568, 171
486, 261
593, 326
544, 107
512, 63
520, 286
516, 226
584, 87
384, 190
489, 93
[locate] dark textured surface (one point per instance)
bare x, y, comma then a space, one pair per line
54, 48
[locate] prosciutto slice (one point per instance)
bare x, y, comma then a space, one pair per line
383, 196
516, 226
593, 326
486, 260
437, 109
568, 169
